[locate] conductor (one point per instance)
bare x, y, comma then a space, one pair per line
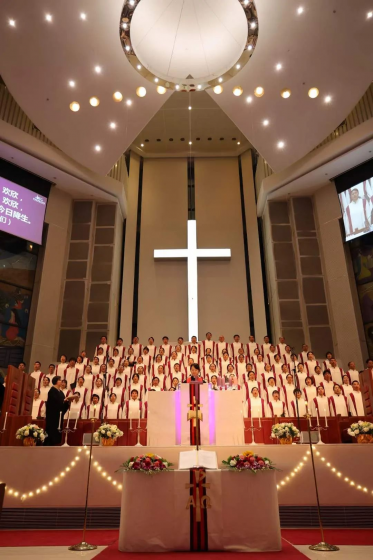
56, 403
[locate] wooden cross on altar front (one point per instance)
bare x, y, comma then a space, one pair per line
200, 503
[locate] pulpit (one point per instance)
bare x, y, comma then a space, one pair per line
18, 394
366, 384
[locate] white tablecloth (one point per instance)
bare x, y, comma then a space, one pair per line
243, 517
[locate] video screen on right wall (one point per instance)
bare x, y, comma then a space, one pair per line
357, 209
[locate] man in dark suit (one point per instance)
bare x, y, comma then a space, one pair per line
56, 404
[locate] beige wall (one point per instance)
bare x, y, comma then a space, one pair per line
163, 285
222, 290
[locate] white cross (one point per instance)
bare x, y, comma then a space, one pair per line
191, 254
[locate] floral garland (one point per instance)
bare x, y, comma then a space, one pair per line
360, 428
148, 464
284, 431
107, 431
31, 431
249, 461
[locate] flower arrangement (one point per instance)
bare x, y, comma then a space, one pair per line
31, 431
286, 430
249, 461
361, 429
107, 431
148, 464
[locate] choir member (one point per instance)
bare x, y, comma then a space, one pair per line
146, 357
99, 390
241, 352
111, 371
236, 345
61, 367
133, 407
94, 409
113, 410
180, 342
303, 355
281, 378
241, 368
83, 390
328, 384
80, 365
121, 349
71, 373
281, 346
155, 386
254, 357
270, 387
220, 347
335, 371
55, 408
143, 378
166, 347
180, 352
286, 356
270, 357
301, 377
318, 376
188, 366
355, 402
265, 346
194, 342
214, 383
116, 358
309, 390
277, 365
44, 389
51, 372
131, 356
101, 374
266, 375
137, 347
288, 390
353, 372
276, 407
175, 384
119, 390
251, 346
194, 354
88, 378
104, 346
310, 363
96, 366
293, 365
195, 374
77, 407
298, 406
101, 356
251, 383
206, 363
85, 358
256, 406
135, 384
127, 368
37, 374
338, 403
64, 387
346, 385
232, 382
152, 349
22, 367
212, 371
231, 371
208, 343
326, 362
177, 373
259, 366
38, 406
320, 403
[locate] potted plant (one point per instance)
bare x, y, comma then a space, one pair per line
249, 462
31, 434
147, 464
363, 431
285, 432
107, 434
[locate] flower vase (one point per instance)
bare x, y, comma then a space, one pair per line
107, 441
286, 441
29, 441
364, 438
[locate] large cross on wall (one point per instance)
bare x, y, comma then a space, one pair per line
191, 254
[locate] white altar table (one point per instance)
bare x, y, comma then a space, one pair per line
243, 516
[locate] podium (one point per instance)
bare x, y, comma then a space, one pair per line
366, 384
17, 404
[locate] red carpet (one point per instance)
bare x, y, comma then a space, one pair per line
56, 538
356, 537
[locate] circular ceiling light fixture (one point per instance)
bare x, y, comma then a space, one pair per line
259, 91
139, 67
279, 66
49, 18
98, 69
313, 93
98, 148
141, 91
117, 96
71, 83
328, 99
281, 144
83, 16
113, 125
94, 101
249, 99
161, 90
129, 102
265, 122
300, 10
218, 89
286, 93
237, 91
74, 106
12, 22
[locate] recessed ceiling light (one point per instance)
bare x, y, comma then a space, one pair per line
249, 99
286, 93
218, 89
278, 66
141, 91
74, 106
190, 142
139, 67
94, 101
313, 93
246, 2
328, 99
199, 86
237, 91
48, 17
71, 83
281, 144
117, 96
253, 25
238, 143
113, 125
370, 15
220, 80
300, 10
259, 91
156, 80
83, 16
265, 122
142, 145
124, 25
161, 90
128, 102
250, 48
128, 48
98, 69
12, 22
98, 148
131, 2
189, 108
238, 66
177, 86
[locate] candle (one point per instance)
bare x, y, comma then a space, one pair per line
317, 417
6, 416
130, 423
94, 411
252, 424
68, 419
59, 425
260, 423
138, 422
76, 422
326, 419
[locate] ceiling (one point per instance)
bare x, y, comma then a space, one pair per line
175, 121
328, 46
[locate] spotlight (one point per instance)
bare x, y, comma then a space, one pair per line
177, 86
281, 144
220, 80
98, 69
250, 48
74, 106
313, 93
259, 91
129, 102
199, 86
238, 66
238, 143
266, 122
370, 15
113, 125
218, 89
249, 99
94, 101
253, 25
328, 99
278, 66
142, 145
48, 17
190, 143
71, 83
141, 91
237, 91
139, 67
83, 16
161, 90
286, 93
97, 149
124, 25
300, 10
128, 48
117, 96
189, 108
156, 80
12, 23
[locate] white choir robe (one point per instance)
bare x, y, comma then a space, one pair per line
338, 404
171, 364
264, 377
286, 358
44, 392
265, 349
318, 379
86, 361
100, 392
321, 404
117, 360
336, 374
270, 358
60, 369
143, 380
180, 376
293, 367
132, 409
293, 411
258, 367
88, 381
269, 390
281, 348
208, 344
310, 393
127, 371
167, 349
256, 407
80, 368
310, 366
353, 375
101, 359
281, 378
110, 377
194, 356
137, 349
301, 379
277, 369
84, 394
105, 347
164, 381
121, 350
251, 346
147, 361
288, 392
123, 377
152, 350
71, 375
234, 348
277, 408
326, 365
77, 410
358, 213
95, 368
328, 387
219, 347
38, 408
99, 376
223, 365
93, 411
241, 371
303, 357
250, 386
112, 411
120, 392
139, 388
65, 391
347, 389
355, 403
38, 376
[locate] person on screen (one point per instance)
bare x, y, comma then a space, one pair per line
357, 213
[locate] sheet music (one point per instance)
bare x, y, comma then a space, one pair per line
201, 458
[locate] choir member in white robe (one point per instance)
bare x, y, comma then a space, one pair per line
94, 409
288, 390
206, 363
80, 365
38, 406
214, 383
188, 366
252, 383
208, 343
99, 390
37, 374
152, 349
276, 407
177, 373
137, 347
301, 377
180, 352
104, 345
193, 342
194, 353
335, 371
266, 375
309, 390
281, 346
140, 362
355, 400
88, 378
51, 373
160, 359
71, 373
293, 366
119, 391
131, 356
116, 358
155, 386
320, 404
163, 378
77, 407
221, 346
166, 347
259, 366
352, 372
146, 358
212, 371
172, 361
121, 375
298, 406
232, 383
251, 346
271, 387
101, 356
121, 349
61, 366
277, 365
254, 357
270, 357
256, 406
44, 389
236, 345
338, 403
64, 388
286, 356
175, 384
303, 355
281, 378
224, 362
111, 371
85, 394
242, 352
328, 384
318, 376
102, 374
95, 366
310, 363
136, 385
143, 377
241, 368
133, 407
127, 368
180, 342
346, 386
112, 410
326, 362
358, 213
265, 346
85, 358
